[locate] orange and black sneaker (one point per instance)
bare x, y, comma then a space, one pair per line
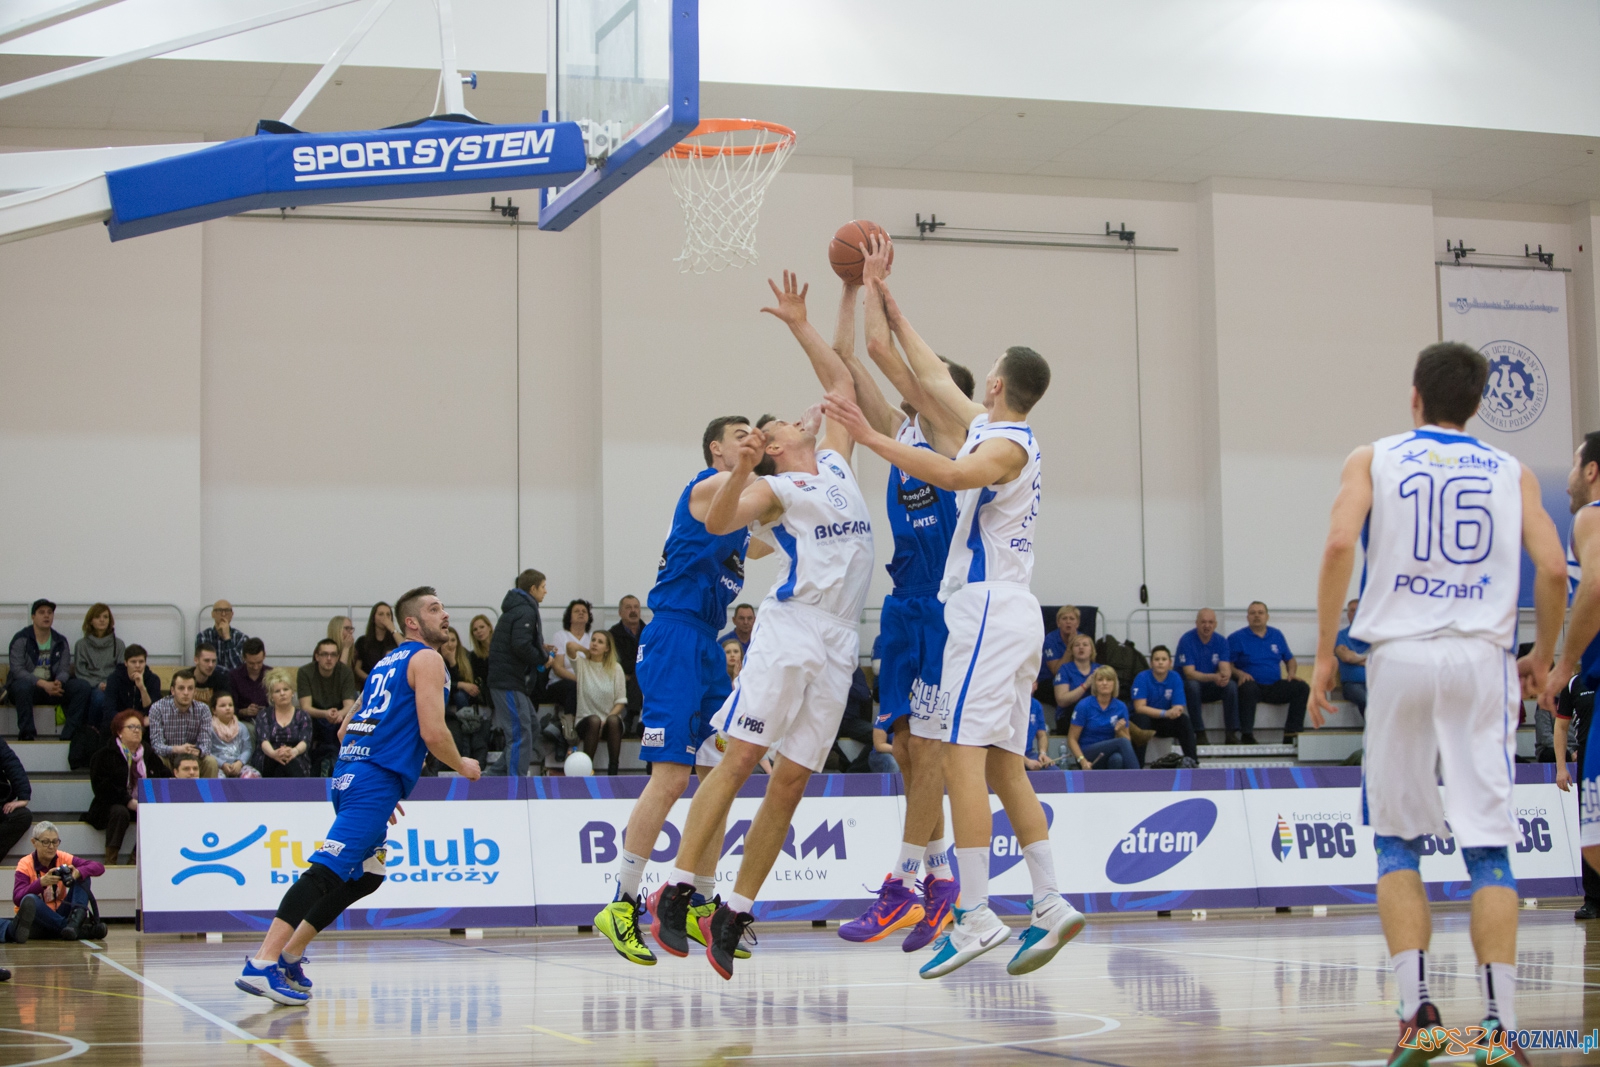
1422, 1037
896, 908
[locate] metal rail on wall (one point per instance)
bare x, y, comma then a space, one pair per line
168, 646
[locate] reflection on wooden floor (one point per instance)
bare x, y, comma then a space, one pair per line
1249, 990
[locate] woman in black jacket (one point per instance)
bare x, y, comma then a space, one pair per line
114, 775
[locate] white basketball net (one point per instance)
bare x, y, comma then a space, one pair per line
721, 176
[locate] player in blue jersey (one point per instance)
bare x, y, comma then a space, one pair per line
911, 627
382, 746
683, 676
1580, 659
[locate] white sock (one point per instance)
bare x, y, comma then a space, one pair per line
740, 904
678, 876
290, 959
262, 965
1498, 983
1041, 869
1410, 979
936, 859
630, 869
705, 885
909, 864
972, 864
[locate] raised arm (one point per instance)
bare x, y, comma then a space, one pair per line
932, 375
994, 462
884, 417
1350, 510
732, 509
1584, 622
825, 362
1543, 545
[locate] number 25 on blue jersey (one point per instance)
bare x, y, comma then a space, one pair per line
1453, 513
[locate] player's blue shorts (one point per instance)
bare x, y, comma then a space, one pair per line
1589, 786
911, 637
364, 796
683, 676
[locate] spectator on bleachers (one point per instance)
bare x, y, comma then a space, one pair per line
210, 680
1207, 669
327, 691
115, 774
231, 741
15, 792
625, 637
1058, 642
1098, 736
516, 657
602, 698
464, 711
482, 633
342, 632
744, 621
221, 636
857, 724
181, 726
247, 681
284, 730
186, 766
379, 640
1037, 757
1072, 680
570, 644
1158, 702
134, 687
41, 673
1266, 669
57, 884
95, 657
1352, 655
733, 657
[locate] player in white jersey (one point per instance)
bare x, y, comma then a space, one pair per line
790, 696
991, 657
1444, 518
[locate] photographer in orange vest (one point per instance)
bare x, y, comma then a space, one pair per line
57, 885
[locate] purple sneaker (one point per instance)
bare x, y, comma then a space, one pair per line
895, 909
941, 894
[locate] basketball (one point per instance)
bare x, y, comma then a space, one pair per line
578, 765
844, 251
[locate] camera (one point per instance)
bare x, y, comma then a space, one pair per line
66, 872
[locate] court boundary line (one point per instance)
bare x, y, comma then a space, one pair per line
216, 1020
75, 1046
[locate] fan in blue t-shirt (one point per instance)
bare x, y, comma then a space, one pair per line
1158, 702
1072, 678
1098, 735
1260, 653
1037, 757
1352, 656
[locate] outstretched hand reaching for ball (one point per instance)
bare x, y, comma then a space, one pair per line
791, 309
847, 413
879, 254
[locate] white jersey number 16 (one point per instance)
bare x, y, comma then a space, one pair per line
1465, 528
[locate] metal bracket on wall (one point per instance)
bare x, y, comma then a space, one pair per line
1459, 252
1120, 239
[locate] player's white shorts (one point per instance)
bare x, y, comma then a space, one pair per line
796, 678
1442, 707
930, 711
991, 661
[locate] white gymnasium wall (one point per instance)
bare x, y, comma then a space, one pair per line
1322, 298
322, 412
100, 447
1584, 288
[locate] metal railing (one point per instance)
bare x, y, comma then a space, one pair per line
1163, 626
293, 630
160, 628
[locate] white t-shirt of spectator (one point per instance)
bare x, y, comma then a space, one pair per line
561, 645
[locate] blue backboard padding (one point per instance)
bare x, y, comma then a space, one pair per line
649, 142
268, 170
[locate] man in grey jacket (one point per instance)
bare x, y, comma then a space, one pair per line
516, 652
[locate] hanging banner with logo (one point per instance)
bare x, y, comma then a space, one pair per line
543, 851
1518, 319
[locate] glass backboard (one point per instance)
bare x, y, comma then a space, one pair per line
628, 72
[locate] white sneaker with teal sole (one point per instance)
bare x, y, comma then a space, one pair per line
1055, 922
970, 936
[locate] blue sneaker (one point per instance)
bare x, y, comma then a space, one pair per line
269, 982
971, 935
295, 973
1055, 923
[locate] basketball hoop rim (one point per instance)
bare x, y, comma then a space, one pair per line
684, 150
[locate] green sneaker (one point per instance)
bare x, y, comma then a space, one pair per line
619, 921
705, 910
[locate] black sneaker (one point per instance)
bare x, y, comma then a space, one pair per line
1590, 910
725, 929
669, 910
22, 921
1422, 1037
75, 922
5, 975
1248, 739
1230, 739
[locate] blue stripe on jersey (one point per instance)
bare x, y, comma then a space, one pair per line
980, 561
977, 647
1366, 531
1508, 727
786, 539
